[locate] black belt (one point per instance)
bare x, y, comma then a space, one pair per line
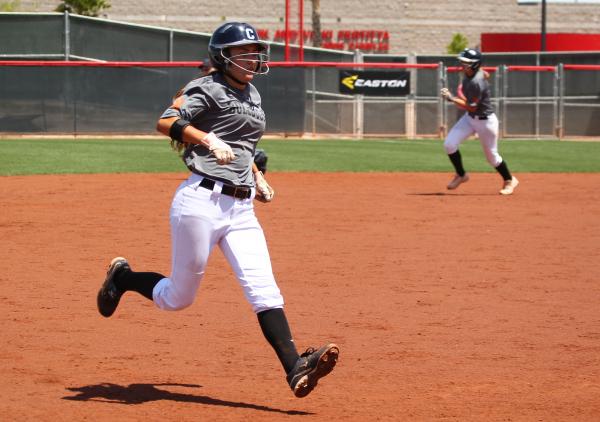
235, 191
477, 116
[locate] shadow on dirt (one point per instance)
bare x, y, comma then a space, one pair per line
142, 393
449, 195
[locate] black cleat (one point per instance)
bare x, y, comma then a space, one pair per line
109, 295
310, 367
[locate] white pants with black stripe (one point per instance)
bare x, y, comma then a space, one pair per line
200, 220
486, 130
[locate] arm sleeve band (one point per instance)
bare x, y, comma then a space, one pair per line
176, 131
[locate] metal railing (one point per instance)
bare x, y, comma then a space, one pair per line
504, 100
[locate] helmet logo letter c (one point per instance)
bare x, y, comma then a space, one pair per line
250, 34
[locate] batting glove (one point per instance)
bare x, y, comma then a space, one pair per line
447, 95
264, 192
220, 149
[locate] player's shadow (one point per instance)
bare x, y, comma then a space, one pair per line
448, 194
142, 393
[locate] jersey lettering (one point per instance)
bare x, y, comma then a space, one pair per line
256, 113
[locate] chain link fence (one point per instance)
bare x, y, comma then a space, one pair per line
549, 95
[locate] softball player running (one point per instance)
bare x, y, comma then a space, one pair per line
216, 124
474, 97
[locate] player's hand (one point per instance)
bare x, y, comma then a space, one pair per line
445, 93
223, 152
264, 192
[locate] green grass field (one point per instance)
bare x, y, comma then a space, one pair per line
64, 156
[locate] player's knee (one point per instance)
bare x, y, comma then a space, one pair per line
258, 310
185, 301
175, 304
168, 297
493, 158
265, 303
450, 147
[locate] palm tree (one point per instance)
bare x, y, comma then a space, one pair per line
316, 23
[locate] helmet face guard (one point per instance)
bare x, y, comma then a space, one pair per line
470, 58
259, 59
235, 34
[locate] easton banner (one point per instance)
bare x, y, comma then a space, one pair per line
375, 83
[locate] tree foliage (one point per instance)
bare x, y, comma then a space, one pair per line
9, 6
459, 43
83, 7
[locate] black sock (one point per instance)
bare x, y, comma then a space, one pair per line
502, 168
143, 283
456, 161
275, 327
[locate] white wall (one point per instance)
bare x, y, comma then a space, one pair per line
420, 26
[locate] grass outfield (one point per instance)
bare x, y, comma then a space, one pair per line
64, 156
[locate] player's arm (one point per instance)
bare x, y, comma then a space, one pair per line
190, 134
459, 92
181, 130
459, 102
264, 192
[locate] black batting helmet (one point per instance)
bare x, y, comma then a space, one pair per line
470, 57
234, 34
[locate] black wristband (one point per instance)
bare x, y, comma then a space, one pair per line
176, 131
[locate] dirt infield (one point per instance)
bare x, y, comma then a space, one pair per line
461, 306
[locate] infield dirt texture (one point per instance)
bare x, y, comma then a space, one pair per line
464, 306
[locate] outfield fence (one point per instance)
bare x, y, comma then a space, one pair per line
138, 68
299, 98
99, 76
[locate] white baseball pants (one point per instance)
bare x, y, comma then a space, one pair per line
486, 130
201, 219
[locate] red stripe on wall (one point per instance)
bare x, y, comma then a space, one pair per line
513, 42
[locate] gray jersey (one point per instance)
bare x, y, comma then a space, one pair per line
235, 116
477, 92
